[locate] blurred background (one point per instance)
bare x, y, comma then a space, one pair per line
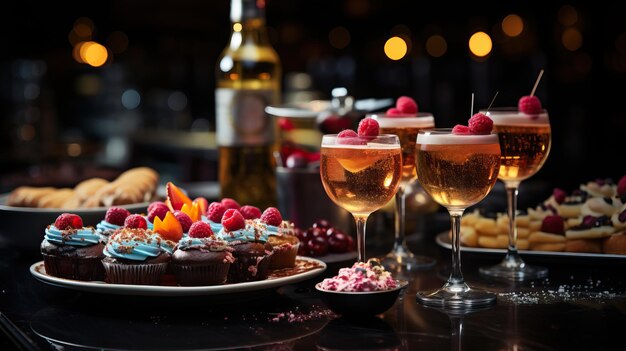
93, 88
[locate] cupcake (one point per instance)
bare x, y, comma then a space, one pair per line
113, 220
251, 250
200, 259
214, 215
282, 238
71, 250
136, 256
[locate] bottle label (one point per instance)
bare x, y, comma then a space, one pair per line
241, 118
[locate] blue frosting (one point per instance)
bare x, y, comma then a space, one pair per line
106, 228
210, 243
215, 227
150, 224
74, 237
137, 250
252, 232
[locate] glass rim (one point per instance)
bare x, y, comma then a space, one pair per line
507, 109
447, 130
389, 139
381, 136
407, 115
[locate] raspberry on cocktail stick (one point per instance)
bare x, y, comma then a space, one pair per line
530, 104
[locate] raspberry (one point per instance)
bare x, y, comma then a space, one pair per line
68, 220
461, 129
215, 212
406, 105
272, 216
116, 215
333, 124
233, 220
368, 127
285, 124
480, 124
559, 195
156, 204
250, 212
230, 203
200, 230
347, 133
588, 221
392, 112
621, 186
184, 220
313, 156
349, 137
529, 105
553, 224
158, 211
136, 221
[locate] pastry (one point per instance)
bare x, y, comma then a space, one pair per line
600, 206
71, 250
584, 245
550, 237
493, 241
56, 198
591, 228
619, 220
599, 188
27, 196
200, 259
615, 244
83, 191
135, 256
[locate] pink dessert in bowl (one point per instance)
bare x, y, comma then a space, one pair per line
366, 288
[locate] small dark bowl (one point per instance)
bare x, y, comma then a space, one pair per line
361, 303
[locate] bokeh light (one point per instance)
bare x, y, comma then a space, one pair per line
567, 15
480, 44
94, 54
339, 37
512, 25
117, 41
436, 45
131, 99
395, 48
74, 149
572, 39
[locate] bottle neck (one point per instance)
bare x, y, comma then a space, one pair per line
248, 23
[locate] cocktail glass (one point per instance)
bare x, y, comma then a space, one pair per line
406, 128
361, 175
458, 171
525, 143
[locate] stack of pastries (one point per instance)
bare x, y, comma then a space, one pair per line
589, 219
135, 185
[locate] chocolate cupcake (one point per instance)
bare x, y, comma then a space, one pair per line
251, 250
282, 237
71, 250
200, 259
136, 256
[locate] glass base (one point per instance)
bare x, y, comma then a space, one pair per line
514, 268
400, 258
450, 296
519, 274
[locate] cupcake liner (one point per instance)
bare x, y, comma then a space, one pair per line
196, 275
77, 268
284, 257
241, 271
139, 274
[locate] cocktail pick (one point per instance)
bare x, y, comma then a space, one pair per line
532, 93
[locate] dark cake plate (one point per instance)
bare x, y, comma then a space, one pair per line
305, 268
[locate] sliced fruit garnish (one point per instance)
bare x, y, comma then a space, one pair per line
176, 197
203, 203
193, 211
355, 165
169, 228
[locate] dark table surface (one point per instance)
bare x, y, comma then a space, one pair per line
580, 306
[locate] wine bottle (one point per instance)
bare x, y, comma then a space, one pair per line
248, 78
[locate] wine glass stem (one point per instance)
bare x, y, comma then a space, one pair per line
361, 221
399, 220
456, 277
511, 196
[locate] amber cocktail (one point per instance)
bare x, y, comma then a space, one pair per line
361, 175
406, 128
525, 142
458, 171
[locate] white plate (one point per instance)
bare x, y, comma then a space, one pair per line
443, 241
39, 272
